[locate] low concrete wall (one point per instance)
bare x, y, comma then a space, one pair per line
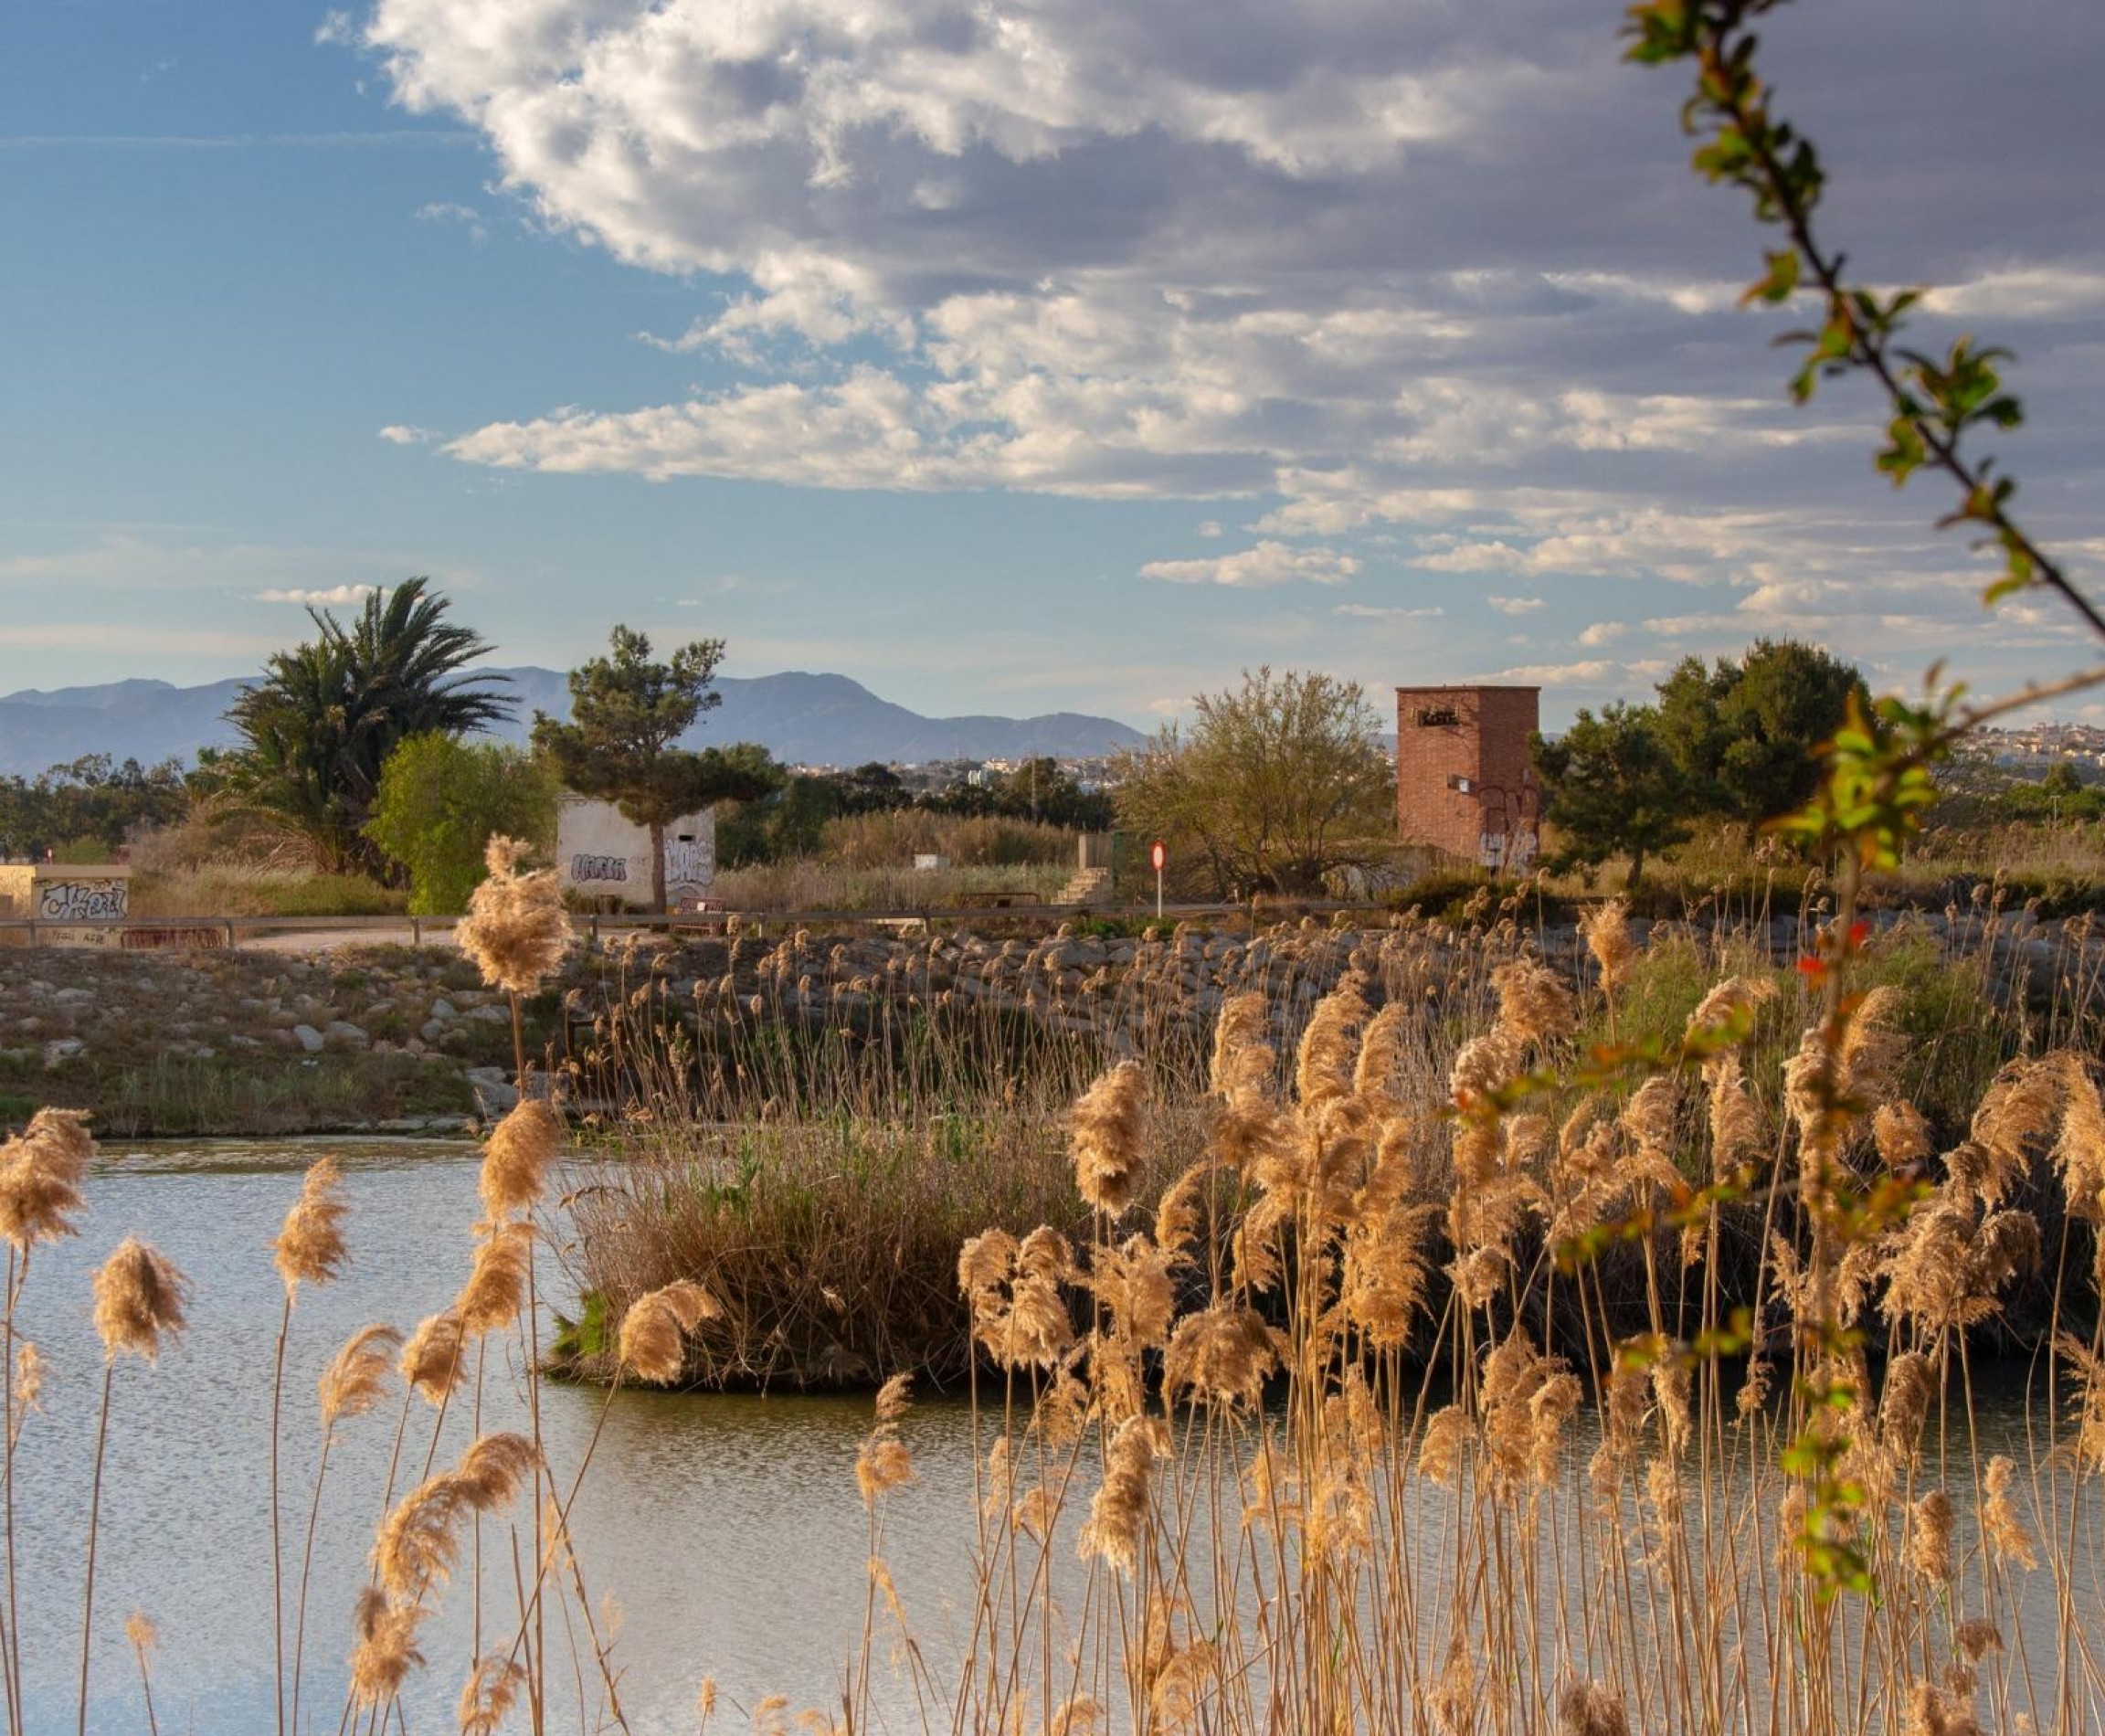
65, 893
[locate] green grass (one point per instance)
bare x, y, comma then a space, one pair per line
227, 1097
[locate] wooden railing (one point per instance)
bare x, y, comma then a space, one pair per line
174, 933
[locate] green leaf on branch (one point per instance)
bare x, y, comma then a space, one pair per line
1781, 282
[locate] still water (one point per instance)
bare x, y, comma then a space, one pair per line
728, 1530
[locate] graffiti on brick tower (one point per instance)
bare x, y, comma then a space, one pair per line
1465, 782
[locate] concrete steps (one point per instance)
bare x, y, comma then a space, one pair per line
1089, 886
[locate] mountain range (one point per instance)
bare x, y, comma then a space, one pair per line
803, 719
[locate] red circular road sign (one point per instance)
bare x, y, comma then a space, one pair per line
1157, 855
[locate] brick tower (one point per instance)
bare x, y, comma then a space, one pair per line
1464, 784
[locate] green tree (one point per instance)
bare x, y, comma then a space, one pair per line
440, 801
789, 822
627, 714
1611, 789
319, 727
87, 807
1273, 786
1746, 733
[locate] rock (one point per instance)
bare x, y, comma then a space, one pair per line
61, 1050
309, 1039
491, 1015
495, 1092
344, 1032
443, 1008
431, 1030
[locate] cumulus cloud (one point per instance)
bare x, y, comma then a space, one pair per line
1603, 633
1383, 612
1262, 564
1587, 674
452, 211
407, 434
1518, 605
335, 594
1425, 273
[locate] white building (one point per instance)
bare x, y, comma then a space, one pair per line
601, 855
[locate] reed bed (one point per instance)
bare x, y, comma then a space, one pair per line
812, 1137
1420, 1333
1394, 1464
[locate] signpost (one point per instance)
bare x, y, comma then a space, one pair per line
1157, 855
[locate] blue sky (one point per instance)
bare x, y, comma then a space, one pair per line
1007, 358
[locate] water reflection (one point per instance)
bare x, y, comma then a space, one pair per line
728, 1530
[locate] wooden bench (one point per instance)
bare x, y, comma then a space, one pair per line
704, 916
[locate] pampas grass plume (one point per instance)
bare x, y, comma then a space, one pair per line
431, 1358
516, 929
516, 1159
310, 1246
487, 1695
1224, 1353
40, 1174
1589, 1708
138, 1301
496, 1287
386, 1650
652, 1344
357, 1377
1106, 1138
1606, 931
1118, 1511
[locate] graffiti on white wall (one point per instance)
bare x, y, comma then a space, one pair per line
604, 855
82, 900
690, 862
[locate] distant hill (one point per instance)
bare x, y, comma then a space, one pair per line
809, 719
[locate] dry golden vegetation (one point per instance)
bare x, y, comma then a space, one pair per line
1417, 1337
1345, 1445
812, 1134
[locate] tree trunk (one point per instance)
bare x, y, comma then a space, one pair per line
656, 868
1636, 871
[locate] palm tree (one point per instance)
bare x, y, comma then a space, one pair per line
318, 727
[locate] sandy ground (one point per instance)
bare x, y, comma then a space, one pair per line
314, 940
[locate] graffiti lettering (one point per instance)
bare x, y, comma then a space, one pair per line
82, 900
1507, 853
689, 863
153, 939
585, 868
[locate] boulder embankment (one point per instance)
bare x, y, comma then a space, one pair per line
397, 1038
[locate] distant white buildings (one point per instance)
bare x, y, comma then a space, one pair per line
601, 855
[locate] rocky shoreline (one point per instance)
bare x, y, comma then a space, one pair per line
394, 1039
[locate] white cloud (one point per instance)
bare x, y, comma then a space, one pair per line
2023, 292
1603, 633
1264, 564
407, 434
452, 211
335, 594
1589, 675
1381, 612
1517, 605
1414, 272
